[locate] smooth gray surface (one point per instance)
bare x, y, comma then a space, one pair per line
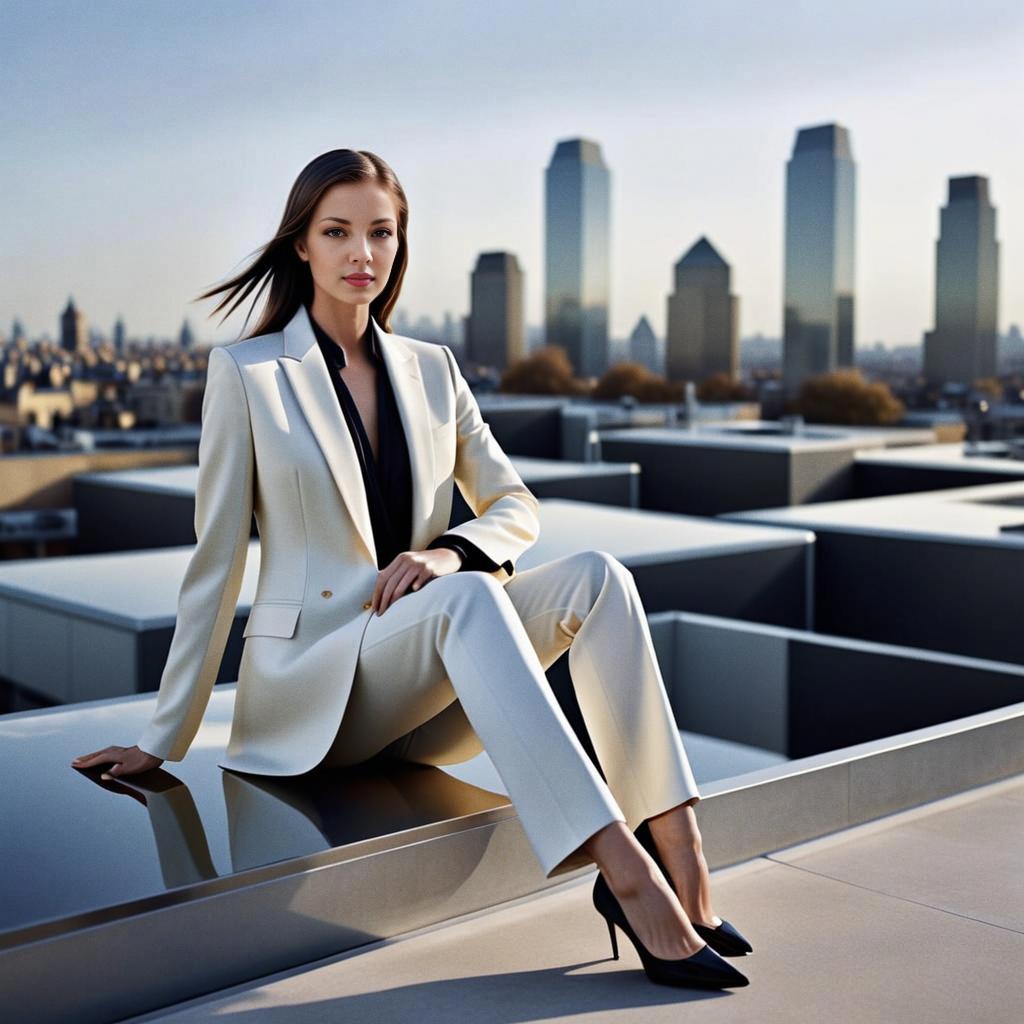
892, 436
155, 507
708, 471
182, 479
687, 562
132, 590
276, 916
816, 437
860, 931
179, 480
139, 589
190, 822
244, 822
729, 678
637, 537
965, 860
532, 470
88, 626
937, 570
968, 515
942, 456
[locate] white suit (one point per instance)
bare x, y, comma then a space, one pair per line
274, 441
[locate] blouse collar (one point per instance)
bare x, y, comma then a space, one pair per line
333, 351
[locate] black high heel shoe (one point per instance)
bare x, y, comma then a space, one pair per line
704, 969
724, 939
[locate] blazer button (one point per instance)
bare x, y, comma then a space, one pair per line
367, 604
326, 593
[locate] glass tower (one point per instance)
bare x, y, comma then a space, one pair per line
703, 317
496, 328
964, 344
576, 251
820, 205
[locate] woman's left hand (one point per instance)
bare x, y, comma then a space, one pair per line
412, 569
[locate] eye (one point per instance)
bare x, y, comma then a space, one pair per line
330, 232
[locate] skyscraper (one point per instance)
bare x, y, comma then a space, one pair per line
819, 261
576, 249
74, 329
703, 317
496, 326
643, 346
119, 335
964, 343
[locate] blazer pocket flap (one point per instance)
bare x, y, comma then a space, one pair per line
270, 618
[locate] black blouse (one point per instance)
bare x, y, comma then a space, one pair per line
388, 479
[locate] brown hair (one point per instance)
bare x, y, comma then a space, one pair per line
277, 262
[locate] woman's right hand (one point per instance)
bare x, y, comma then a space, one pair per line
123, 760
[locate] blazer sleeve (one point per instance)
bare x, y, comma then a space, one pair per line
507, 519
473, 559
213, 578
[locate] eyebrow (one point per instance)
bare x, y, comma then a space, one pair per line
341, 220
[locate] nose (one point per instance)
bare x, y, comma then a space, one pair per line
360, 250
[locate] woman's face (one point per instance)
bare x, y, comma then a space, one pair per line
353, 230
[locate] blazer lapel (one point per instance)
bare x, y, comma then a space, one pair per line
303, 364
411, 398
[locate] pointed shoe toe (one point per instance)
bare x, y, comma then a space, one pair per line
703, 969
720, 971
724, 939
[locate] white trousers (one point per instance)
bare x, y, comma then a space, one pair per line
458, 667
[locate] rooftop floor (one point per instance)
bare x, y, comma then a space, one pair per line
918, 916
982, 514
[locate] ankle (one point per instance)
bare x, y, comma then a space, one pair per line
631, 878
625, 865
681, 856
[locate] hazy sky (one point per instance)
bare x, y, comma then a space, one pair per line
149, 146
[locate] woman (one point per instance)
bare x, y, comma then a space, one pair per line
374, 629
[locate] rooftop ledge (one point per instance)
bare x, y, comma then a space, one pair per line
203, 879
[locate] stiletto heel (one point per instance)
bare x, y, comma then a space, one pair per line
723, 939
615, 941
704, 969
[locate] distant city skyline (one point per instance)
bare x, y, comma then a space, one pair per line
406, 320
136, 182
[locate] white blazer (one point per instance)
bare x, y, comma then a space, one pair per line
274, 441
